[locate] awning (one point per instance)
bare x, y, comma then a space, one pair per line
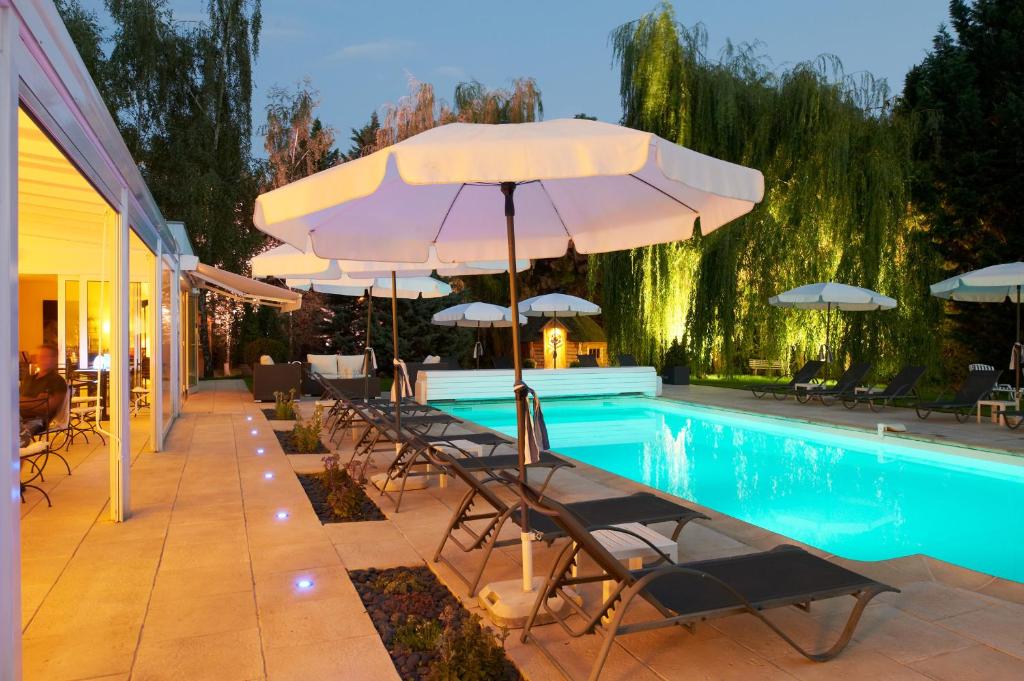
244, 289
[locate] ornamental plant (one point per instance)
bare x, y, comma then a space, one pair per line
306, 433
284, 405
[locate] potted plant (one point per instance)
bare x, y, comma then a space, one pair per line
676, 363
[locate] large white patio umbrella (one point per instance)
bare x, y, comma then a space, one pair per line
994, 284
476, 316
830, 296
602, 187
555, 305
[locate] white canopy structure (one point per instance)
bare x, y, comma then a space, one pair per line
601, 187
288, 262
245, 290
830, 296
380, 287
475, 316
558, 305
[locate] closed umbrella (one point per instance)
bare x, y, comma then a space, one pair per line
476, 316
994, 284
830, 296
602, 187
555, 305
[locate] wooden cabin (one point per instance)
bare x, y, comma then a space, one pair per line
557, 343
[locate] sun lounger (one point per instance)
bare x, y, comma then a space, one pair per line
586, 361
627, 361
846, 384
780, 391
685, 594
976, 386
903, 385
417, 459
482, 527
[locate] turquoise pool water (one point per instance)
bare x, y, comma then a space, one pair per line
851, 496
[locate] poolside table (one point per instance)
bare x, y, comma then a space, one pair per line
631, 550
998, 407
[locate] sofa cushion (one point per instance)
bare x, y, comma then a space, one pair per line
350, 366
432, 359
266, 360
325, 365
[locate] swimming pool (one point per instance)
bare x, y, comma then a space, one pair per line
854, 496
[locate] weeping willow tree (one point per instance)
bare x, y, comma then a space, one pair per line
836, 167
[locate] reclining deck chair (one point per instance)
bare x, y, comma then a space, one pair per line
687, 593
902, 385
415, 459
780, 391
976, 386
845, 385
642, 507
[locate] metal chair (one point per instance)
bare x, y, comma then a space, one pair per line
30, 454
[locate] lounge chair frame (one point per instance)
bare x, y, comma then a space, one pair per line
608, 619
780, 391
975, 387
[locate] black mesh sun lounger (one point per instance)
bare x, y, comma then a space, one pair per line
481, 527
975, 387
845, 385
685, 593
806, 374
902, 385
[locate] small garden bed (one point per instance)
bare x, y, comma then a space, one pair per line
351, 505
288, 445
427, 632
271, 415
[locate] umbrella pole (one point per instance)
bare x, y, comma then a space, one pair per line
479, 348
507, 188
828, 328
1016, 352
369, 344
394, 352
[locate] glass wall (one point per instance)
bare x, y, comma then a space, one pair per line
72, 325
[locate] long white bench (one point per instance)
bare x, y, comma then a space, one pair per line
491, 384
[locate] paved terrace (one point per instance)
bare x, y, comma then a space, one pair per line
199, 584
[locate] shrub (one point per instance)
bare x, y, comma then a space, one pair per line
528, 363
418, 635
468, 651
306, 434
264, 346
676, 355
400, 583
284, 405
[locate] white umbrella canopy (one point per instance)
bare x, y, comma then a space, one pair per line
475, 315
558, 305
601, 187
604, 187
288, 262
988, 285
380, 287
830, 295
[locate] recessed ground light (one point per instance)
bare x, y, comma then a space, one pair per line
268, 475
248, 418
304, 583
282, 515
253, 431
259, 451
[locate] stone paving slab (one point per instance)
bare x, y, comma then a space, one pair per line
207, 577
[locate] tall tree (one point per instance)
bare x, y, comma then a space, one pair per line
181, 95
966, 103
836, 166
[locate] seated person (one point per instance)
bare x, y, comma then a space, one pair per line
42, 393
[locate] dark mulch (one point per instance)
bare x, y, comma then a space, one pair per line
317, 494
430, 598
285, 438
272, 415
